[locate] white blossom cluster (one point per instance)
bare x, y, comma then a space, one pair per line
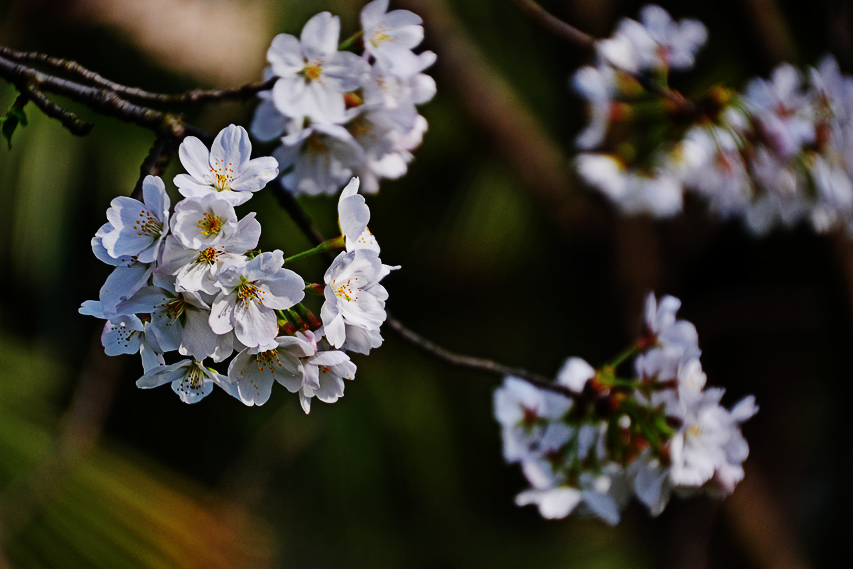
779, 153
604, 438
191, 281
340, 115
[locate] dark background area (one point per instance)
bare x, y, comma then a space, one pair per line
505, 255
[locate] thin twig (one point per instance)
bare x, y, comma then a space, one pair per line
240, 93
29, 80
568, 32
157, 161
555, 25
475, 364
68, 119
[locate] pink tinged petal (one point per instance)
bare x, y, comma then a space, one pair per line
175, 256
162, 375
322, 104
553, 504
152, 358
289, 372
361, 340
155, 197
333, 325
252, 381
98, 246
196, 277
167, 332
121, 335
127, 236
353, 213
575, 373
603, 506
146, 300
345, 71
372, 13
320, 36
192, 390
289, 96
423, 88
254, 325
285, 289
400, 61
221, 313
255, 174
267, 123
231, 148
285, 55
189, 187
331, 388
305, 402
197, 339
403, 18
195, 158
122, 283
92, 308
247, 235
744, 409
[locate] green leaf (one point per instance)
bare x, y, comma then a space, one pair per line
14, 116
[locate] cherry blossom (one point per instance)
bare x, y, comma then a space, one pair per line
313, 74
227, 169
249, 296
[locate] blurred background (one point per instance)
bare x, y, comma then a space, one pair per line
505, 256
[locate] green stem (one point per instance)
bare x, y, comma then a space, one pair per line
628, 353
347, 43
336, 243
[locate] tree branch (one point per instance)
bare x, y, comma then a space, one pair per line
475, 364
555, 25
157, 161
568, 32
68, 119
240, 93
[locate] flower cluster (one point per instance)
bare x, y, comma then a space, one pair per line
191, 281
778, 153
338, 114
595, 439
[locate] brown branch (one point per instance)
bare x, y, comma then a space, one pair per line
240, 93
555, 25
568, 32
475, 364
68, 119
34, 83
157, 161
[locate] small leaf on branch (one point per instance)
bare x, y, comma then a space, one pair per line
13, 117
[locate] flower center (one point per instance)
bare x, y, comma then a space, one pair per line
380, 36
313, 70
360, 127
210, 224
269, 360
345, 290
193, 381
208, 256
174, 308
247, 292
695, 431
148, 224
223, 175
315, 144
